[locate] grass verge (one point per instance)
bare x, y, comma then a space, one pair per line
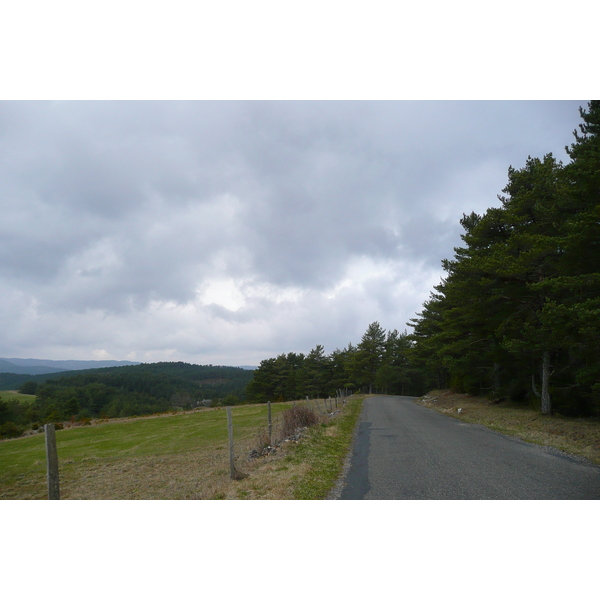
324, 451
574, 436
304, 470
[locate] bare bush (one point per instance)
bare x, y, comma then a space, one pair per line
296, 417
262, 443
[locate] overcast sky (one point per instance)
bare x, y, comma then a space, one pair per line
228, 232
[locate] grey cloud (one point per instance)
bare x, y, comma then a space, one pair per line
111, 208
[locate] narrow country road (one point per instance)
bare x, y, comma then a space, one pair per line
406, 451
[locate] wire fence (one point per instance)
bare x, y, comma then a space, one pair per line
284, 423
288, 426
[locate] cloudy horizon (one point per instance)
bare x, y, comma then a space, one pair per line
228, 232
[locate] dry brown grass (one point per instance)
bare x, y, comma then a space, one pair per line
197, 475
194, 475
296, 417
575, 436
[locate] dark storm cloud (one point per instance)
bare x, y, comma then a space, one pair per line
278, 219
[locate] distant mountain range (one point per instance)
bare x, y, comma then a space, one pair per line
36, 366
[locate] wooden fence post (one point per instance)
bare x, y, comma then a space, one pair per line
270, 424
52, 462
230, 432
233, 472
318, 407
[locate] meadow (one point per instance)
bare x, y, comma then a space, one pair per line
9, 395
127, 450
175, 456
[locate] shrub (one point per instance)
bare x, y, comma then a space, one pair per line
229, 400
10, 430
296, 417
263, 441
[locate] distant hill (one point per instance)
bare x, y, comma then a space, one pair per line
37, 365
119, 392
7, 366
132, 389
232, 379
16, 371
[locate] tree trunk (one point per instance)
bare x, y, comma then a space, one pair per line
496, 378
546, 400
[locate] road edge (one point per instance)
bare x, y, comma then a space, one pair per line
336, 490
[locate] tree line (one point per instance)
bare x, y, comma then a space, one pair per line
517, 314
378, 363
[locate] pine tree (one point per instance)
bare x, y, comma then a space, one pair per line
369, 355
521, 299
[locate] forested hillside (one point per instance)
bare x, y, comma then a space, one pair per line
518, 312
122, 391
378, 363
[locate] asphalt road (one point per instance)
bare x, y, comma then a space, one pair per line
404, 451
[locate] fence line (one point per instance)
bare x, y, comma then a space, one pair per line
274, 428
324, 407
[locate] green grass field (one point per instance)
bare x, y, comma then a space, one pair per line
14, 395
119, 446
